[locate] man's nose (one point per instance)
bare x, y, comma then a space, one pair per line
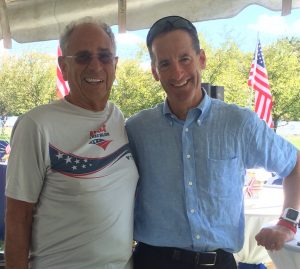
95, 63
177, 71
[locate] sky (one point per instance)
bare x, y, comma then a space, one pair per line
243, 29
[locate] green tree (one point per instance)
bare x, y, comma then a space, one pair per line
226, 66
229, 67
135, 88
26, 82
29, 81
283, 65
295, 43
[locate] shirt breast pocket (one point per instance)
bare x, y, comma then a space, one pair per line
223, 177
223, 192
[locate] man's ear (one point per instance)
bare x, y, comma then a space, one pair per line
154, 73
116, 62
63, 67
116, 59
202, 59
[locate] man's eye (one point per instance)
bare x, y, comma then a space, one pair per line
185, 59
105, 58
163, 65
83, 58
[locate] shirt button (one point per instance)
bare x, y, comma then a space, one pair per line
186, 129
192, 211
198, 121
190, 183
197, 236
188, 156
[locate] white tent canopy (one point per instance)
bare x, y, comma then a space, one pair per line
38, 20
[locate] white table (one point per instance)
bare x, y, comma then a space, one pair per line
289, 256
258, 212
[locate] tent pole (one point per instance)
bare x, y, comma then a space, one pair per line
5, 25
122, 16
286, 7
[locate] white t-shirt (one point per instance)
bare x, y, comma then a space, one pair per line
76, 166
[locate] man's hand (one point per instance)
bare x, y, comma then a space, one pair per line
274, 237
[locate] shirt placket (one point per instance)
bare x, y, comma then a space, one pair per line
188, 156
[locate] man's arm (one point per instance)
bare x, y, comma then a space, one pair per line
274, 237
18, 222
291, 187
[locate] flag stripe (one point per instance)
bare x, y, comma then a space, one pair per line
62, 87
262, 90
259, 82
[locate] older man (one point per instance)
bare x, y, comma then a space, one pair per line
71, 178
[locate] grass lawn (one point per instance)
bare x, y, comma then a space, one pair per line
5, 133
295, 140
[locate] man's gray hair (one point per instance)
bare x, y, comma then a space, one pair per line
65, 35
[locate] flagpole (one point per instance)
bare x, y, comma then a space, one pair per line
253, 67
255, 59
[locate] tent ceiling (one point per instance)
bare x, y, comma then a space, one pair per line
38, 20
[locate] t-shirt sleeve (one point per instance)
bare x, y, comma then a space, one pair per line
26, 165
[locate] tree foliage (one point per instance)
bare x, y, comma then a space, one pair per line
283, 65
26, 82
134, 88
228, 66
29, 81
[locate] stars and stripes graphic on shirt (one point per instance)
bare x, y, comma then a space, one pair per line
62, 87
82, 167
259, 82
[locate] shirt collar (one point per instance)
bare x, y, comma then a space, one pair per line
202, 109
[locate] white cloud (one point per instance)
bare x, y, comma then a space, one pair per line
128, 39
1, 46
146, 66
296, 27
128, 44
3, 52
275, 25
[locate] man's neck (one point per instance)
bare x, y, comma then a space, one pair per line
96, 106
181, 109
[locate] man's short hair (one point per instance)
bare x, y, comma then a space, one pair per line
64, 37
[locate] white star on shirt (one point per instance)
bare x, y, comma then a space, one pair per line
68, 159
59, 155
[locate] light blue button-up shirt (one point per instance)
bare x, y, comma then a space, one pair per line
192, 173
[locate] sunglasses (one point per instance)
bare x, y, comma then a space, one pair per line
167, 24
85, 58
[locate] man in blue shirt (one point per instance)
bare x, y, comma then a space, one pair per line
192, 152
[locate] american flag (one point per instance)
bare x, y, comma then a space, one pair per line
62, 87
258, 81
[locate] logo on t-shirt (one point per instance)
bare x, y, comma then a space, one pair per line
98, 137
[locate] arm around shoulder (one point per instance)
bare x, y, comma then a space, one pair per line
18, 221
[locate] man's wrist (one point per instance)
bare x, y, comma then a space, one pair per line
287, 224
291, 215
